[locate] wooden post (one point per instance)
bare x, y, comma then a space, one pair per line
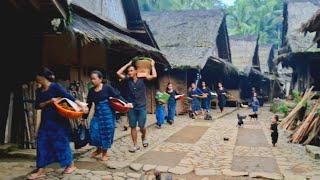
7, 136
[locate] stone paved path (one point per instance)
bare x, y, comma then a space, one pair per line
193, 149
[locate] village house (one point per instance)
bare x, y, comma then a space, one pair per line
266, 55
299, 51
71, 39
194, 41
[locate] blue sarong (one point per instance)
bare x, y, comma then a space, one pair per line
171, 109
102, 126
160, 114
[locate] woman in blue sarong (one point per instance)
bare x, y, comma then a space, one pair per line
194, 93
54, 134
102, 125
172, 103
205, 102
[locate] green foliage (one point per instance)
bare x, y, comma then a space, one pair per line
280, 108
167, 5
283, 108
296, 96
253, 17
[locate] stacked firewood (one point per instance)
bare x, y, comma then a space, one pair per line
290, 122
309, 128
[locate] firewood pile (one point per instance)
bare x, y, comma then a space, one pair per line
308, 130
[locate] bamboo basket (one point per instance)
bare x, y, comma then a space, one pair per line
143, 66
67, 113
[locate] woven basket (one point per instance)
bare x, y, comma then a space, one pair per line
143, 67
70, 114
118, 105
179, 97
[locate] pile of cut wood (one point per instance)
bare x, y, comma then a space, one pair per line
309, 129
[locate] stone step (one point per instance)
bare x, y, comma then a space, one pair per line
313, 151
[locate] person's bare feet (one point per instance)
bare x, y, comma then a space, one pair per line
70, 169
37, 174
96, 153
104, 156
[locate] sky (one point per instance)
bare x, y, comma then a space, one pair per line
228, 2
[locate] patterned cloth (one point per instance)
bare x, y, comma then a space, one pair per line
54, 134
102, 126
171, 110
160, 114
195, 103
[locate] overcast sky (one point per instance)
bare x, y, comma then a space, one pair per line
228, 2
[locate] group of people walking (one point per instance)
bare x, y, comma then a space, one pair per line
54, 133
201, 98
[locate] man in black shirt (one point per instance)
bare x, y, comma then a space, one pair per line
138, 97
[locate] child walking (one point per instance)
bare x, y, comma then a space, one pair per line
274, 129
159, 109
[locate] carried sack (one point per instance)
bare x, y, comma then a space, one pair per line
81, 136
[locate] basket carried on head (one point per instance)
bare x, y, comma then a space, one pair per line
143, 65
118, 105
68, 109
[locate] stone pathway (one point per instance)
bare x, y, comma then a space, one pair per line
195, 150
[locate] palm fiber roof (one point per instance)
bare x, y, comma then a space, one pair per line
187, 38
91, 31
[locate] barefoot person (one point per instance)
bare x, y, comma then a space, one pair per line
172, 103
138, 97
159, 109
222, 97
206, 102
54, 134
102, 125
194, 93
274, 129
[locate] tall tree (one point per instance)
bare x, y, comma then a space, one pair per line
253, 17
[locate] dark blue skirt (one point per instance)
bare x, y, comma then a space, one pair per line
102, 126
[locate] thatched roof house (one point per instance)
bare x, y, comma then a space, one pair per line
313, 25
189, 38
243, 50
299, 51
295, 13
72, 40
266, 55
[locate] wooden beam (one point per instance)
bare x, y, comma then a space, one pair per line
35, 4
60, 8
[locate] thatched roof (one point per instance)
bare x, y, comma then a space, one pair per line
91, 31
187, 38
264, 53
298, 12
313, 24
220, 65
242, 50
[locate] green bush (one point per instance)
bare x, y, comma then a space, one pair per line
283, 108
296, 96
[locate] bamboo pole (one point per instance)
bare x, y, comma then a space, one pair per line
304, 128
288, 121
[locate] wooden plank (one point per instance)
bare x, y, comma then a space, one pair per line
7, 138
